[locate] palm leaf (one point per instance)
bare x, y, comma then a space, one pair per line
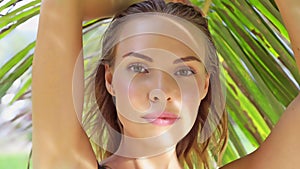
255, 58
253, 46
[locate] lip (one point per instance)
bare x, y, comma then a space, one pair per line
162, 118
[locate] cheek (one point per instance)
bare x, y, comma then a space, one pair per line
190, 106
192, 92
121, 85
131, 96
202, 85
138, 94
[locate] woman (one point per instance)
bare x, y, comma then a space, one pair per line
68, 138
141, 75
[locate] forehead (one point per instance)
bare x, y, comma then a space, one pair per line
170, 33
153, 45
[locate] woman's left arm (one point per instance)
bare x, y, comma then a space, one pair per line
282, 148
290, 12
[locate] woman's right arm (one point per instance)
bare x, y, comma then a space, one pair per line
59, 142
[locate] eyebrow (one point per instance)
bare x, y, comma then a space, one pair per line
139, 55
147, 58
187, 59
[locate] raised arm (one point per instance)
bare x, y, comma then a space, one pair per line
59, 142
281, 148
290, 12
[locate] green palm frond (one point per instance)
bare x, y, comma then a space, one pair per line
253, 46
262, 77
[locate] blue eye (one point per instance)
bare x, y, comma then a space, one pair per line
185, 72
138, 68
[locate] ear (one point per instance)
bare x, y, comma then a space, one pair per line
108, 79
206, 86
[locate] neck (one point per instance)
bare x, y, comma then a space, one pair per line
163, 158
167, 160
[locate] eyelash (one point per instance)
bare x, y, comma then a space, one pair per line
133, 67
141, 68
191, 71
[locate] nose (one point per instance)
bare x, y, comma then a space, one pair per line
157, 95
164, 87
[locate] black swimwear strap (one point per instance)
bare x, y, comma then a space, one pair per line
103, 167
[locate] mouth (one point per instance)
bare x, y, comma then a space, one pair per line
161, 119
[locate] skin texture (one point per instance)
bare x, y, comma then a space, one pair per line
162, 75
55, 104
290, 10
177, 94
59, 141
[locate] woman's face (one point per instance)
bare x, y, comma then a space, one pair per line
158, 84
